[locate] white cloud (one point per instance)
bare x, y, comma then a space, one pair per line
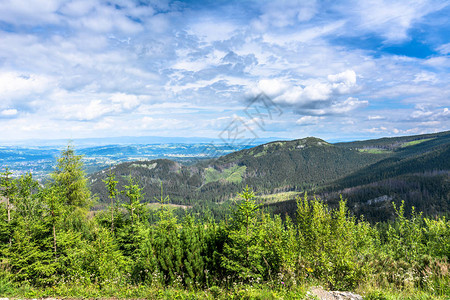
346, 106
30, 13
444, 49
273, 87
81, 66
303, 36
84, 111
15, 85
425, 77
429, 114
390, 18
212, 30
343, 82
309, 120
9, 112
124, 101
285, 13
315, 94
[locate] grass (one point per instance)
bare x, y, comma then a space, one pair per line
278, 197
93, 291
412, 143
231, 175
264, 152
156, 206
374, 151
237, 291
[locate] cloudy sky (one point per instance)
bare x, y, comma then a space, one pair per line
331, 69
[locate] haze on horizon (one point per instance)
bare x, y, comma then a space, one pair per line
74, 69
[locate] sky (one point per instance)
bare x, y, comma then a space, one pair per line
338, 70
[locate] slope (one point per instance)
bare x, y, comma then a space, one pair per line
278, 166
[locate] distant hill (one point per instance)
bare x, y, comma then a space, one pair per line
362, 171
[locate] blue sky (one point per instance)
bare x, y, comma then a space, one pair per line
331, 69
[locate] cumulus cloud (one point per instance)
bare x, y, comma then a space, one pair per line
14, 85
315, 96
431, 114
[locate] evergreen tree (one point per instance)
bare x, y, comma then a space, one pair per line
111, 185
134, 194
71, 178
8, 190
242, 253
27, 203
55, 208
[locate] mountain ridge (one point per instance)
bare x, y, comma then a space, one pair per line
308, 164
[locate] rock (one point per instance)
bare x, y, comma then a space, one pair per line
320, 293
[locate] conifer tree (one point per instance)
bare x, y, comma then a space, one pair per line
8, 190
111, 184
27, 203
134, 194
70, 177
53, 200
242, 251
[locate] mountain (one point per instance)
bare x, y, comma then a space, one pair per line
416, 169
278, 171
273, 167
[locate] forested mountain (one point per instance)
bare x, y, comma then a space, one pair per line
416, 169
370, 173
278, 166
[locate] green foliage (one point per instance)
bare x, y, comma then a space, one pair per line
134, 206
405, 238
30, 256
333, 246
437, 237
70, 177
111, 185
233, 174
27, 203
243, 254
51, 247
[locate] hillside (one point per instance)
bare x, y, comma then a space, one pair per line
415, 169
274, 167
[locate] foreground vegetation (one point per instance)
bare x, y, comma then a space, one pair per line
52, 245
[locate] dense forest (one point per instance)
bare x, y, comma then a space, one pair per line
54, 244
370, 174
